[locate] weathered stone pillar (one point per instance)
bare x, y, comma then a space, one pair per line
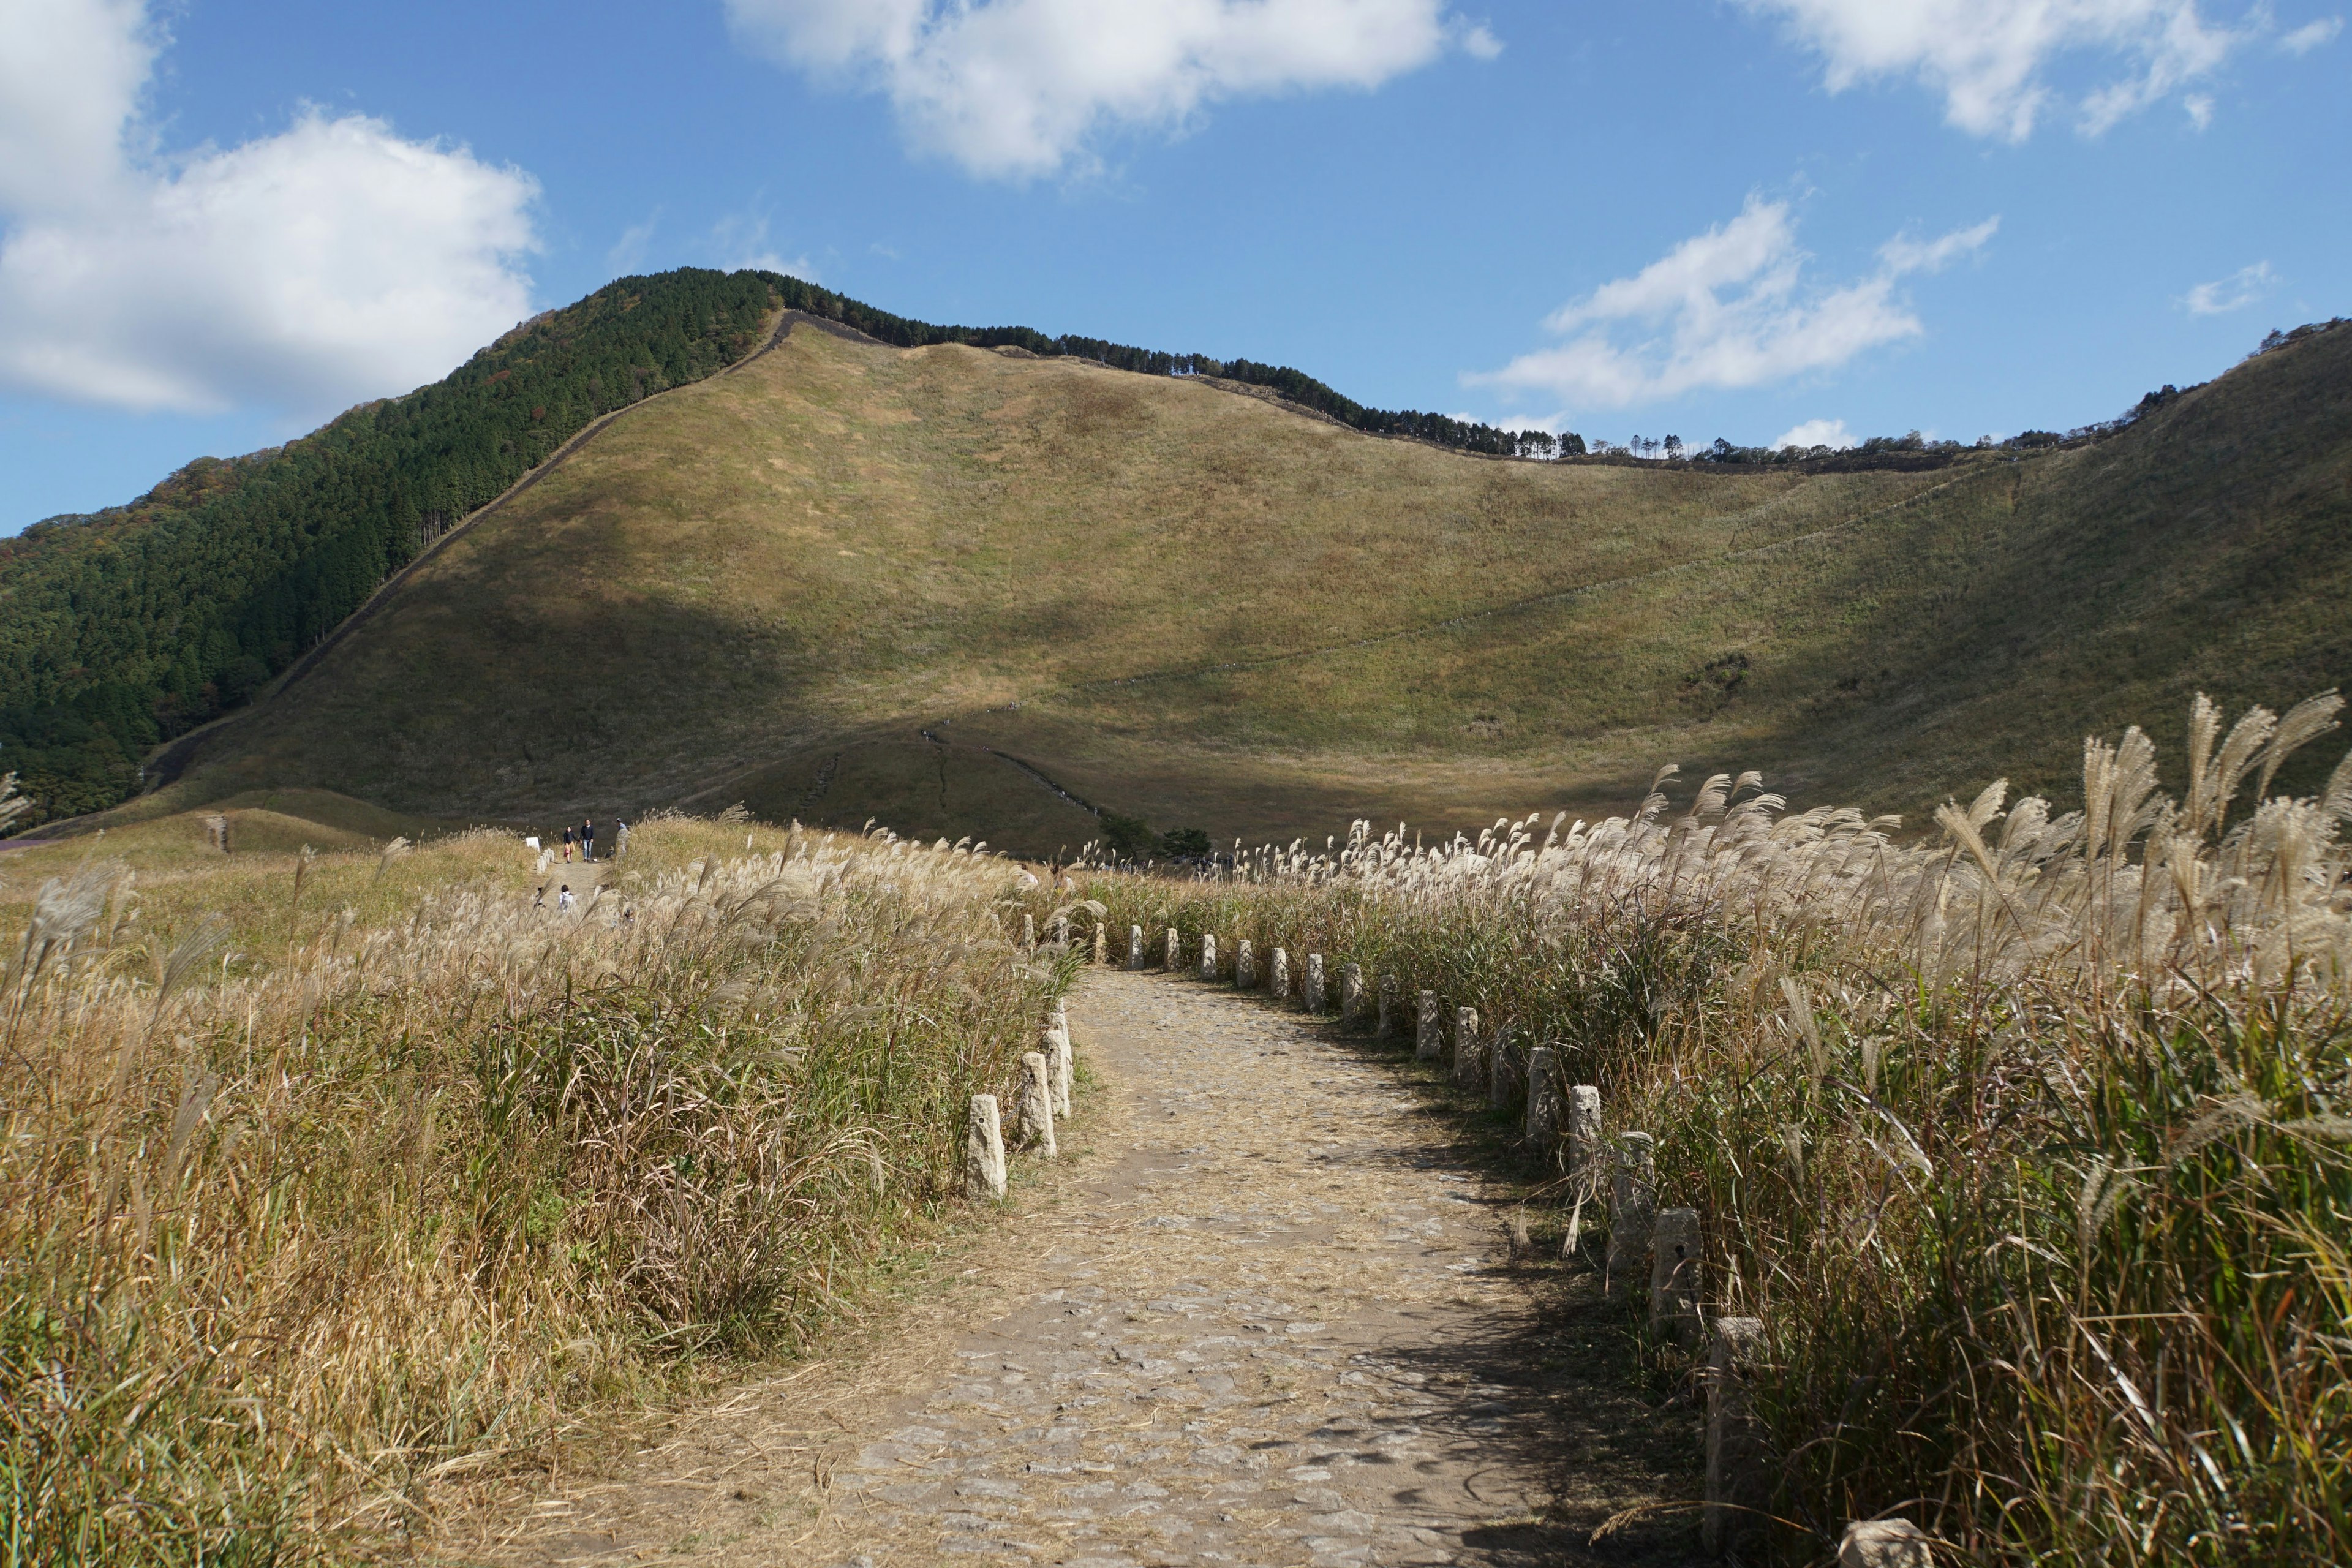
1352, 996
983, 1152
1028, 929
1037, 1104
1632, 1211
1059, 1063
1245, 965
1543, 1102
1175, 959
1506, 1073
1278, 974
1428, 1040
1208, 957
1469, 1061
1582, 1137
1738, 1482
1135, 947
1313, 992
1102, 944
1387, 1028
1675, 1277
1886, 1543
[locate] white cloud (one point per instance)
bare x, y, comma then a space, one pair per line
2311, 34
329, 263
1818, 433
2235, 292
1726, 309
628, 252
1990, 58
740, 239
1017, 89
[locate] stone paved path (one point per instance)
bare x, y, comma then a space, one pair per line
1266, 1315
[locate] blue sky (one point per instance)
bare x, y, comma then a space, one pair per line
225, 221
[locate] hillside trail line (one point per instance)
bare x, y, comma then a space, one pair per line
1263, 1312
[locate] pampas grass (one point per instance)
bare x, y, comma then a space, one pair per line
2027, 1140
294, 1232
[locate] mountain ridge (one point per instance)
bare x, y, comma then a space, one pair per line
774, 327
850, 581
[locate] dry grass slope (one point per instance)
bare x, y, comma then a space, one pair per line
1199, 608
330, 1178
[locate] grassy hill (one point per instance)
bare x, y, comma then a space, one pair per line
1200, 607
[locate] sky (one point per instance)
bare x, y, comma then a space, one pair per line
224, 221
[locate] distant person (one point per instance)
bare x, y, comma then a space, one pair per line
587, 839
567, 846
564, 900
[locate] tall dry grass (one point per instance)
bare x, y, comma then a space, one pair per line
290, 1235
2026, 1141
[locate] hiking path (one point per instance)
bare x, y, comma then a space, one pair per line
1264, 1312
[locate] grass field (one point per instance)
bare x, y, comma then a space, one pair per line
342, 1173
1199, 608
2025, 1143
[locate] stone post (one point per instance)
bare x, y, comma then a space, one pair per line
1469, 1061
1632, 1211
1738, 1481
1028, 929
1277, 975
1245, 965
1102, 944
1886, 1543
1352, 996
1675, 1277
1208, 957
1428, 1040
983, 1152
1058, 933
1175, 959
1582, 1134
1135, 947
1543, 1102
1037, 1104
1390, 1012
1059, 1061
1505, 1072
1314, 989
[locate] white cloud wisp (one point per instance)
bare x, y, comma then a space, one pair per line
304, 271
1829, 433
1990, 60
2312, 35
1019, 88
2235, 292
1727, 309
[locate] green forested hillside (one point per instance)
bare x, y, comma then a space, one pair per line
120, 629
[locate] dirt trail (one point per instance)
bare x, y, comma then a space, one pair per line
1268, 1316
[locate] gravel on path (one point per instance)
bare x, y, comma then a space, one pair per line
1268, 1316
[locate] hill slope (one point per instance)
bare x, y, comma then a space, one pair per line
1199, 607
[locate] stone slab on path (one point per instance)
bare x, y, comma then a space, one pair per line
1267, 1317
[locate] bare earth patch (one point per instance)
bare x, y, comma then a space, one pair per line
1268, 1315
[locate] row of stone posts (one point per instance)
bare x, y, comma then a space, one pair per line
1044, 1097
